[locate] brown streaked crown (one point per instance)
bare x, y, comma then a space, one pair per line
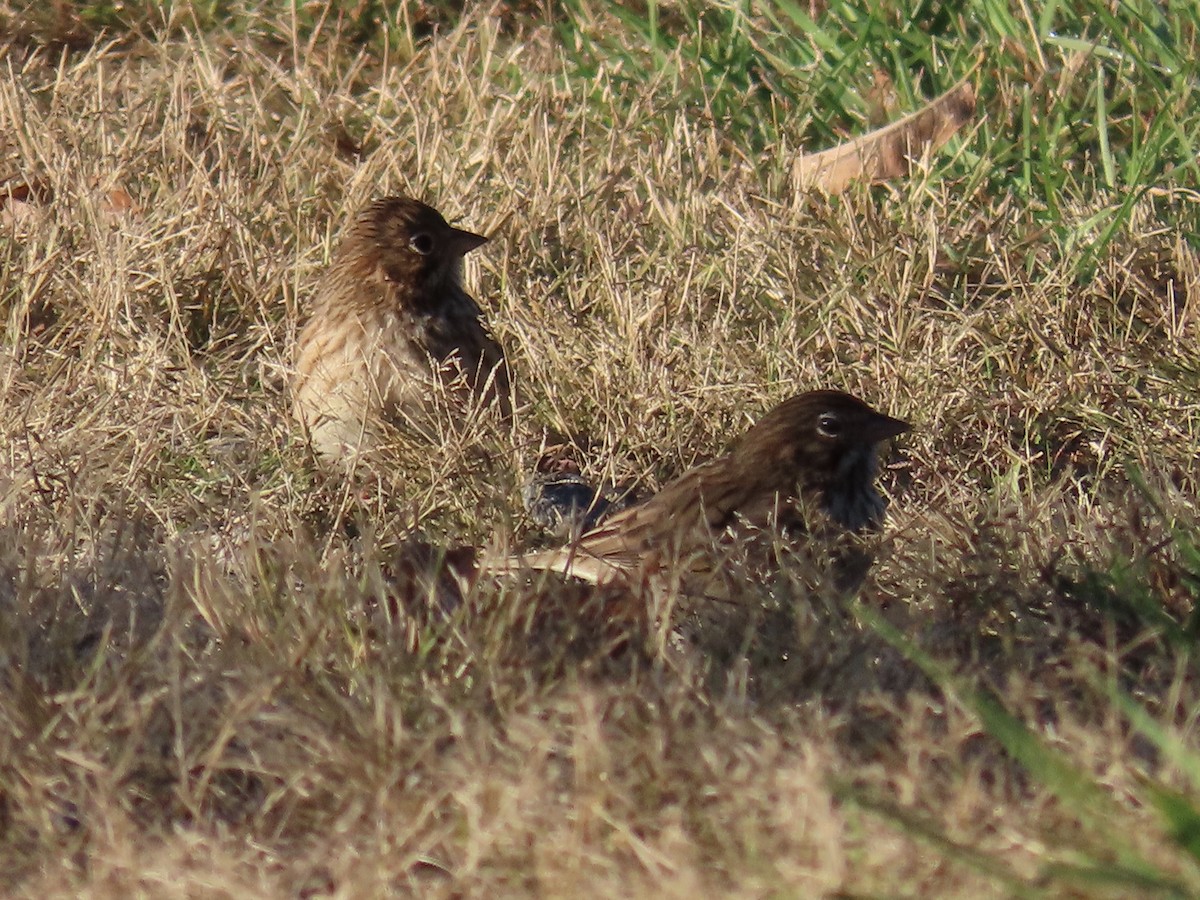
410, 241
808, 435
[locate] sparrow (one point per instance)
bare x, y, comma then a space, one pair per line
390, 323
807, 470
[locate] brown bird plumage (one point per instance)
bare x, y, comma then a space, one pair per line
390, 321
809, 464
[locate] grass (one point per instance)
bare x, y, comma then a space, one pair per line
203, 690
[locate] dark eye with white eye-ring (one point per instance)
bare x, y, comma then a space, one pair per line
421, 243
828, 425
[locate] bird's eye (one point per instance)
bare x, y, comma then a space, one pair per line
828, 425
421, 243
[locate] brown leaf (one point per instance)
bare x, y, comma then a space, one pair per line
890, 151
35, 191
22, 203
118, 203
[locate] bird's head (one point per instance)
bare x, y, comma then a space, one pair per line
414, 247
826, 441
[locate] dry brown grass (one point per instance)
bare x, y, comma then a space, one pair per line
199, 695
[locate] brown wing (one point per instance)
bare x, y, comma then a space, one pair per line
704, 496
677, 521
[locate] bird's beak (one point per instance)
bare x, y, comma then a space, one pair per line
460, 243
882, 427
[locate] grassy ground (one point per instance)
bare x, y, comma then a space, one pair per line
198, 695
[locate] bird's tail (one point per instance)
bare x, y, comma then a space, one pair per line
571, 560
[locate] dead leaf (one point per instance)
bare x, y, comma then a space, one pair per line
890, 151
22, 203
119, 203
